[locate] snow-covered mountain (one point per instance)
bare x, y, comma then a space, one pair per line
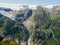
21, 6
16, 6
9, 10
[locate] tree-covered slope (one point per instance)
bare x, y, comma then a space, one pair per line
10, 29
46, 27
33, 27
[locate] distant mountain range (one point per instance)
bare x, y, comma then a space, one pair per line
21, 6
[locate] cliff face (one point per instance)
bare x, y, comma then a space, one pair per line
40, 26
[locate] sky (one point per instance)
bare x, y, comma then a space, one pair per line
44, 2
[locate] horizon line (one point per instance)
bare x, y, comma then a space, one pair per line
27, 4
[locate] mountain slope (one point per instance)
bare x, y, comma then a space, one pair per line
31, 24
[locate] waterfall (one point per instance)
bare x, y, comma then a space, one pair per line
29, 41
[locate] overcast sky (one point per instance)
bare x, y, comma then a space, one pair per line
46, 2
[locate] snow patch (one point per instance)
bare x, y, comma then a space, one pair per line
4, 13
48, 6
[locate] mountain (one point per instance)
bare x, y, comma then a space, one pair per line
30, 24
21, 6
5, 9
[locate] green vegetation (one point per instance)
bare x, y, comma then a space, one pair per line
50, 41
8, 42
11, 29
48, 25
44, 31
